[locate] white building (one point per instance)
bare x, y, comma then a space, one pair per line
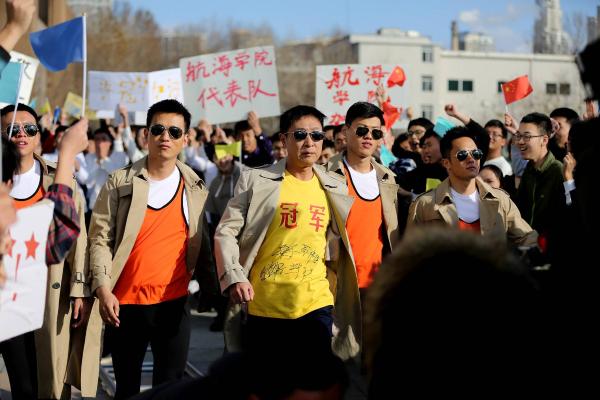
476, 41
436, 76
549, 37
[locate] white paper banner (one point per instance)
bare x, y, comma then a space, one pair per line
108, 89
224, 87
135, 90
340, 86
165, 84
23, 297
31, 66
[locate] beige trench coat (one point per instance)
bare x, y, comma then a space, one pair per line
242, 230
57, 344
498, 215
119, 213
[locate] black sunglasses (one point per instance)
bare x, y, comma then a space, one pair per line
462, 155
29, 129
174, 132
301, 134
363, 130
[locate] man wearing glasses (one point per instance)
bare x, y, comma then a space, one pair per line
145, 239
283, 255
465, 202
541, 194
373, 221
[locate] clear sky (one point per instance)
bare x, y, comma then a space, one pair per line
509, 22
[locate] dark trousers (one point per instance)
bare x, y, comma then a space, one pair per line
21, 364
315, 329
166, 326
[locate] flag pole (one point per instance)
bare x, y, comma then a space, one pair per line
84, 66
17, 100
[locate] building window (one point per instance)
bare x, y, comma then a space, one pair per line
551, 88
427, 54
565, 89
427, 111
452, 85
500, 83
427, 83
467, 86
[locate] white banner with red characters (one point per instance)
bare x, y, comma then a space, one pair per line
23, 297
224, 87
135, 90
340, 86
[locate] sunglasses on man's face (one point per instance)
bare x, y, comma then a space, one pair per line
174, 131
462, 155
29, 129
301, 134
363, 130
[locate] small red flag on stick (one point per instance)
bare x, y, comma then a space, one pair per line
390, 114
516, 89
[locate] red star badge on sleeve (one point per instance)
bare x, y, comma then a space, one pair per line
31, 245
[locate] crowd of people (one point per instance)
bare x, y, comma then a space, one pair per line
338, 258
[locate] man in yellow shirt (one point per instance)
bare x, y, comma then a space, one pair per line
282, 250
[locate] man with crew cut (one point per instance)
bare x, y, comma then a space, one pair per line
145, 240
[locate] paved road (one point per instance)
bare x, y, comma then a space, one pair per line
205, 347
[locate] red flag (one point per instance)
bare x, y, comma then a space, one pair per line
397, 77
390, 114
516, 89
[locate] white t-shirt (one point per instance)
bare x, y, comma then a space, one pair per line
365, 184
467, 206
162, 192
501, 163
26, 184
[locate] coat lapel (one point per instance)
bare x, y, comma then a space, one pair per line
444, 205
388, 190
488, 209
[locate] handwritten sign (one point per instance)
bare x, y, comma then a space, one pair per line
135, 90
23, 297
10, 79
165, 84
31, 66
224, 87
107, 89
340, 86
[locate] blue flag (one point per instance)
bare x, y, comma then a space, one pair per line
59, 45
9, 83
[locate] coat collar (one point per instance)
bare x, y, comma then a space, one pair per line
139, 169
385, 175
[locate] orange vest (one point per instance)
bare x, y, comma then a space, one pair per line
156, 270
474, 226
365, 230
31, 200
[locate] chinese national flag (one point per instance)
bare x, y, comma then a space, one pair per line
516, 89
397, 77
390, 114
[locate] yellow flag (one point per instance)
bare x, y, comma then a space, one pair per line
46, 108
73, 105
432, 184
235, 149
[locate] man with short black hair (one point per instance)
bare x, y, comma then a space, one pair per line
498, 137
256, 146
339, 138
282, 251
565, 117
465, 202
145, 241
68, 293
415, 131
373, 221
541, 195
